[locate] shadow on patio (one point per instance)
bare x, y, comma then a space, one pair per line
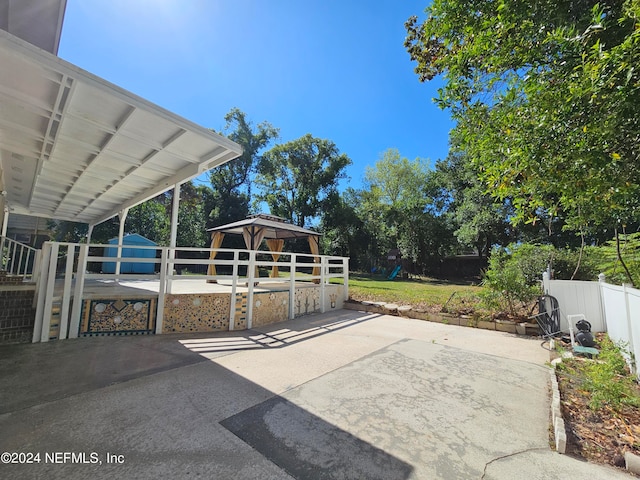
271, 336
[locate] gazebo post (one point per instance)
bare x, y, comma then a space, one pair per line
314, 246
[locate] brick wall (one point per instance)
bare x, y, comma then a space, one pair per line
17, 314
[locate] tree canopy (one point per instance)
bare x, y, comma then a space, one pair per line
231, 183
545, 97
297, 178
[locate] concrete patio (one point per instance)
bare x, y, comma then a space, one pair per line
342, 395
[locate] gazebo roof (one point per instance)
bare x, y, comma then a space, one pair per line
274, 227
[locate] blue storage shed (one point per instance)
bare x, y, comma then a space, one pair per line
131, 267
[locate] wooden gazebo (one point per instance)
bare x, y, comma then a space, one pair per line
256, 228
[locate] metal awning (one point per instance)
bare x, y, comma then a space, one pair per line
76, 147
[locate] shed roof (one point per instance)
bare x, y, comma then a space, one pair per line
76, 147
274, 227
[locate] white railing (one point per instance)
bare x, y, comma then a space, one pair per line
609, 308
73, 265
18, 259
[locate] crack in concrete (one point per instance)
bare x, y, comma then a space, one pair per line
484, 472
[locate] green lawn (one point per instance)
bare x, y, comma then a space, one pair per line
426, 292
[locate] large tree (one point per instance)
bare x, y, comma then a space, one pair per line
232, 182
344, 233
298, 178
545, 95
480, 220
396, 186
398, 204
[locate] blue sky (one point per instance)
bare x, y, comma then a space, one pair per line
336, 69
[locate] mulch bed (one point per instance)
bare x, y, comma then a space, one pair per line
601, 436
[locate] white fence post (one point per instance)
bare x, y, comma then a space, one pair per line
323, 291
41, 291
627, 308
345, 276
292, 287
49, 290
76, 311
603, 310
546, 284
251, 275
234, 288
66, 293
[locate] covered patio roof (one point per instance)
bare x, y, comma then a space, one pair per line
76, 147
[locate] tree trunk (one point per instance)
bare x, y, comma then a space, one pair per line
579, 255
624, 265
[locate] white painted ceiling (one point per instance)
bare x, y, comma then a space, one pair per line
76, 147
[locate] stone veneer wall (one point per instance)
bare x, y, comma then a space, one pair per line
201, 313
17, 315
270, 307
193, 313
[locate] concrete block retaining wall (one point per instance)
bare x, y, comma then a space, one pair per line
463, 321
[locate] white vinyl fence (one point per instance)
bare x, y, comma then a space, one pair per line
608, 308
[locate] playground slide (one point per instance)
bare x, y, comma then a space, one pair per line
394, 274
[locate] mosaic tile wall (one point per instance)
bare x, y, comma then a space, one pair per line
307, 300
240, 320
120, 316
196, 313
270, 307
335, 297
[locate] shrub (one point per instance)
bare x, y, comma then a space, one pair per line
608, 380
508, 282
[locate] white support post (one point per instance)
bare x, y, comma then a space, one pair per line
89, 233
251, 275
35, 274
3, 234
35, 232
122, 215
292, 287
5, 221
66, 293
49, 289
41, 289
175, 209
234, 288
76, 311
162, 291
